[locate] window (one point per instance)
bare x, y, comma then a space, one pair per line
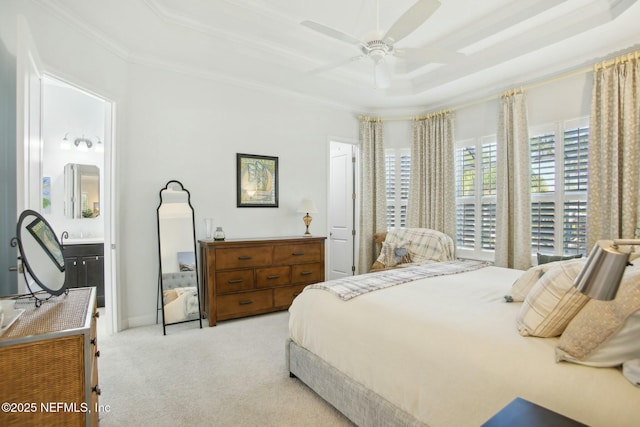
559, 162
543, 186
476, 198
398, 174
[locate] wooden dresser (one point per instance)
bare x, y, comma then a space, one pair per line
48, 363
243, 277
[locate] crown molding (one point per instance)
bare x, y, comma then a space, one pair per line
134, 58
68, 18
272, 90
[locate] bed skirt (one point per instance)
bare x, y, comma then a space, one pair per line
362, 406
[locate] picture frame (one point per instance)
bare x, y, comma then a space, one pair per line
49, 242
257, 181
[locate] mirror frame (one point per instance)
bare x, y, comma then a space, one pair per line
73, 179
160, 301
28, 268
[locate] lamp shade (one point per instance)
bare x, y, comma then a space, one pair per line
602, 273
307, 206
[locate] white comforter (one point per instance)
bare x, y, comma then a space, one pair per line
446, 349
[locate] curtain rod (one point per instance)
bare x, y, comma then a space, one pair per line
603, 64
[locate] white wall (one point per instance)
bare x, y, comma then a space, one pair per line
174, 126
191, 130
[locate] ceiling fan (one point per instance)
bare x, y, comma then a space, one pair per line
382, 45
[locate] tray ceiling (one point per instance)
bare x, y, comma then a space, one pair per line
261, 43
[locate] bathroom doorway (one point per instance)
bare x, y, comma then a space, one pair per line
76, 181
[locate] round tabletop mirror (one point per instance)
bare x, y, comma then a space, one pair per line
41, 254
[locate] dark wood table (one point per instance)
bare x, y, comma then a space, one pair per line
522, 413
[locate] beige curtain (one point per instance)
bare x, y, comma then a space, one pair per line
432, 201
373, 203
613, 210
513, 198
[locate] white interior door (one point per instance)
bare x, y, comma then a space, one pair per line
29, 126
29, 118
341, 210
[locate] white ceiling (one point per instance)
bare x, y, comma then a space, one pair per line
261, 43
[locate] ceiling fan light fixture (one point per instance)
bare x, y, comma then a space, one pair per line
381, 74
380, 44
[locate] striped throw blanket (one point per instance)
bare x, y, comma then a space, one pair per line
353, 286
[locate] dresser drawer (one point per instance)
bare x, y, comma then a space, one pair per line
307, 273
257, 256
233, 281
297, 253
273, 276
283, 297
244, 303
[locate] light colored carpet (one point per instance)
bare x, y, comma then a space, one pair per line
233, 374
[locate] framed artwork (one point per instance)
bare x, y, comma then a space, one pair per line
46, 194
257, 181
45, 237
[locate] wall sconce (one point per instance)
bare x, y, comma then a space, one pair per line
82, 143
307, 206
600, 279
602, 273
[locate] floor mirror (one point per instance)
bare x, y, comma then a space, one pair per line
178, 282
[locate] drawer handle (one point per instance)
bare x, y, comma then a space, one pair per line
98, 353
298, 253
96, 390
273, 276
306, 273
246, 302
244, 257
234, 281
93, 341
96, 314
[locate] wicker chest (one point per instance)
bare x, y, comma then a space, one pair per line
48, 363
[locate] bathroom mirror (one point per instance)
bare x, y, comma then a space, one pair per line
82, 191
41, 255
178, 287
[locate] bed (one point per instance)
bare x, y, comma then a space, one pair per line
179, 296
442, 351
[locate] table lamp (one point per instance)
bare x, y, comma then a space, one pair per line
307, 206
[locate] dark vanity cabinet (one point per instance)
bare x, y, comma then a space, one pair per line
84, 265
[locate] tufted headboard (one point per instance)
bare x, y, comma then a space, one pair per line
179, 279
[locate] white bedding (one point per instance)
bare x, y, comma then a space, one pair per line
447, 350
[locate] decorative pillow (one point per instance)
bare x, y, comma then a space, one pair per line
614, 351
552, 302
605, 333
543, 259
524, 284
393, 254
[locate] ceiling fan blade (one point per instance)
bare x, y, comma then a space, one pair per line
334, 65
411, 19
428, 54
330, 32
